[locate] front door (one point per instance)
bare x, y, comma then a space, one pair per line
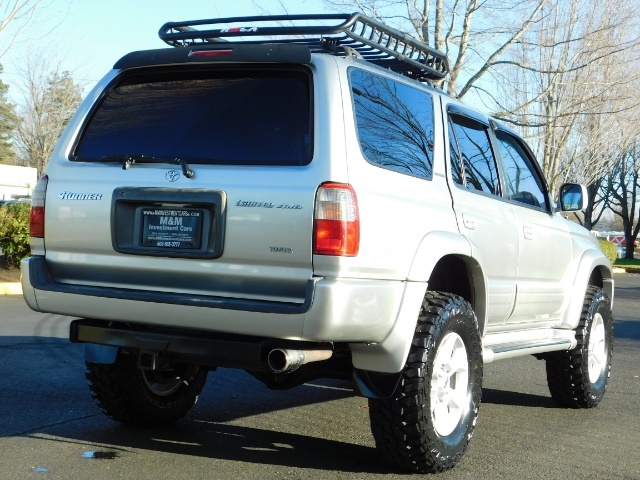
544, 246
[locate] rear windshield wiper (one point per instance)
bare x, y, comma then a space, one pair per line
128, 160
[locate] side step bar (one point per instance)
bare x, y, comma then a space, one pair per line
499, 346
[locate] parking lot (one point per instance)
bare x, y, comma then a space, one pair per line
50, 427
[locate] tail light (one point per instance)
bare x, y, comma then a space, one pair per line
36, 220
336, 221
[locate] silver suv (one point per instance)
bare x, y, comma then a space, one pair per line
300, 202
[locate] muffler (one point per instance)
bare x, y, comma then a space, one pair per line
282, 360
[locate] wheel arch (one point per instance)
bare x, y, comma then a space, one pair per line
593, 269
462, 276
448, 262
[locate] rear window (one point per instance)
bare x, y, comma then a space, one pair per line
240, 117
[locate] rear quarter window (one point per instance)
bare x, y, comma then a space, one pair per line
394, 123
234, 117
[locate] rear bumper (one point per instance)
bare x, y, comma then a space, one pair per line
41, 279
334, 310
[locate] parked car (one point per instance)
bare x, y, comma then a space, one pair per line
308, 204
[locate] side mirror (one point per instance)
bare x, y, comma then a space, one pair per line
573, 197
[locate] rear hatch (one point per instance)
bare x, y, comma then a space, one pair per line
193, 179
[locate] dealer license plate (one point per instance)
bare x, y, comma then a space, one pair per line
171, 228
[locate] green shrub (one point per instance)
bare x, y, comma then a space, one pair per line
14, 232
609, 249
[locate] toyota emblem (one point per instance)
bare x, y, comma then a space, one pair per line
172, 175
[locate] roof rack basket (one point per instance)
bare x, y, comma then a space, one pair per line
357, 35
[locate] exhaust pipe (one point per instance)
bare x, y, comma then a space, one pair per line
282, 360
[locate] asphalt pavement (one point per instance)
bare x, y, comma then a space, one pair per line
50, 427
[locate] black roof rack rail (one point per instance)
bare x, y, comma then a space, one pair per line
357, 35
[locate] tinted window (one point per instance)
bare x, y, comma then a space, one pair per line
479, 166
523, 183
221, 117
395, 124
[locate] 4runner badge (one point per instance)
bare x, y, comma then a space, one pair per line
172, 175
79, 196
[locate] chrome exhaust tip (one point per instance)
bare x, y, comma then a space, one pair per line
282, 360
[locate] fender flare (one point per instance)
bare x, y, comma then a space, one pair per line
590, 261
432, 248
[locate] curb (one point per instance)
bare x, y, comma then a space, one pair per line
11, 288
625, 270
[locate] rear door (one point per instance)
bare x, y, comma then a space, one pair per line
483, 217
191, 179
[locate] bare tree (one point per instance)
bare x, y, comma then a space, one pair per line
598, 203
571, 86
51, 97
17, 13
624, 188
475, 34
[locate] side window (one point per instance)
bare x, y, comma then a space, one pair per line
523, 183
395, 124
478, 162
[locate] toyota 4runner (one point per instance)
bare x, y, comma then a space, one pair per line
300, 202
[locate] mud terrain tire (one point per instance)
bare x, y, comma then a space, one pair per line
140, 398
578, 378
426, 425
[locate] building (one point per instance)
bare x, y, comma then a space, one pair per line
17, 182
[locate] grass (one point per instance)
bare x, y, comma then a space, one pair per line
630, 264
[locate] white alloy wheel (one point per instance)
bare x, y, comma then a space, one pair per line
578, 378
449, 384
597, 351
